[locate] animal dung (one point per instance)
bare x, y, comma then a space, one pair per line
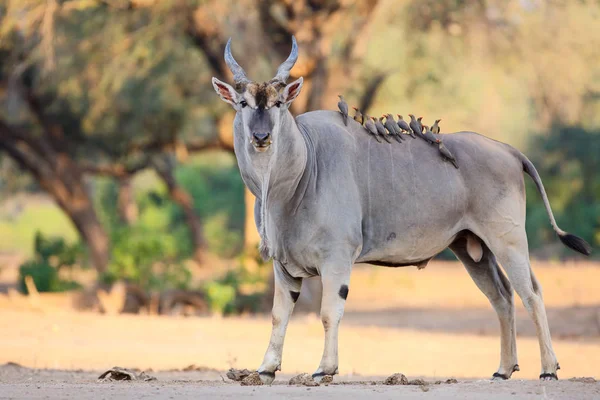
396, 379
252, 380
238, 374
303, 380
122, 374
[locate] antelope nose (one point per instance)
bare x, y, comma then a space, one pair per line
261, 137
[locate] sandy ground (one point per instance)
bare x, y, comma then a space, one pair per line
22, 383
433, 324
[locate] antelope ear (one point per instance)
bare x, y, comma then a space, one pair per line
226, 92
292, 91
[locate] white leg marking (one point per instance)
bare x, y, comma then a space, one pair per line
283, 305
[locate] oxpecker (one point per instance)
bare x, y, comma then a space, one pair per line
446, 153
415, 125
428, 135
343, 106
391, 126
436, 128
381, 129
358, 117
404, 126
370, 126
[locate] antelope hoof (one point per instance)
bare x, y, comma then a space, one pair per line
318, 376
500, 377
548, 376
503, 377
266, 377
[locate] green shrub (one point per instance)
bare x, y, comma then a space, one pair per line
221, 297
216, 188
224, 295
147, 257
51, 254
44, 276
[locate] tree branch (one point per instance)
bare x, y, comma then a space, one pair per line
208, 44
372, 86
116, 170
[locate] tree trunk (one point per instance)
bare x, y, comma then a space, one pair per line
181, 197
127, 207
92, 232
67, 187
62, 179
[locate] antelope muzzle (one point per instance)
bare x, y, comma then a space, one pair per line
261, 140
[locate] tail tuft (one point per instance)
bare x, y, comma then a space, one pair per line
575, 243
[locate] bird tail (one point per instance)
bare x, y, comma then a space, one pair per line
345, 119
571, 241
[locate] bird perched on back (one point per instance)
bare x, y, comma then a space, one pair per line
415, 125
381, 129
446, 153
370, 126
404, 126
436, 128
428, 135
358, 117
392, 128
343, 106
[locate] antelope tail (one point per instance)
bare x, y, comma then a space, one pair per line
571, 241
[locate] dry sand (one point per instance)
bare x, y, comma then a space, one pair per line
421, 323
22, 383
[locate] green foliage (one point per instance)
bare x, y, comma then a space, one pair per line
226, 295
148, 258
221, 297
56, 251
51, 254
214, 183
567, 160
220, 238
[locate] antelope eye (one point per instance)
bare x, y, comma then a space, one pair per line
243, 103
278, 104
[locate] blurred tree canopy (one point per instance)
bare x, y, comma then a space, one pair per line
113, 87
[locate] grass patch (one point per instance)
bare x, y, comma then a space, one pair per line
17, 234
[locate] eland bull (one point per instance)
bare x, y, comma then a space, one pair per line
329, 195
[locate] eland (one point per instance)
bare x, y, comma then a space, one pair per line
329, 196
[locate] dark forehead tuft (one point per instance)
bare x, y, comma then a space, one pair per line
263, 93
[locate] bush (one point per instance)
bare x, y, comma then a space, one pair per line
217, 190
147, 257
51, 254
221, 297
226, 295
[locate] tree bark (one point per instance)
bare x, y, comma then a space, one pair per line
181, 197
62, 179
128, 210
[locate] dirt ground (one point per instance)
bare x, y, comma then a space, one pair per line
433, 324
17, 382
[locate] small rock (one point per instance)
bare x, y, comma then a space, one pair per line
396, 379
327, 379
237, 374
424, 388
417, 382
252, 380
583, 379
303, 380
437, 383
451, 381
